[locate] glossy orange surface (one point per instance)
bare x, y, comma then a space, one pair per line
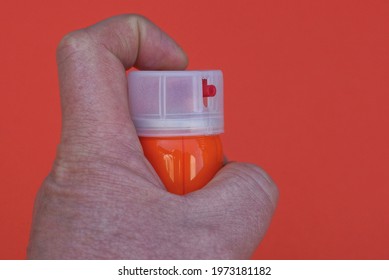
184, 164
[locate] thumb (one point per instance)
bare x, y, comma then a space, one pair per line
237, 205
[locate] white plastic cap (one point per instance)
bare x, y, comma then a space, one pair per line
176, 103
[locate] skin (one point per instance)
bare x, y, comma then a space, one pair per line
102, 199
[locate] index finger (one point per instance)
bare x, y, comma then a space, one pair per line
93, 84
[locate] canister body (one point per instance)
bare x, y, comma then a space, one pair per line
184, 163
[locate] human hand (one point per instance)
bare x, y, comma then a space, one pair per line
102, 199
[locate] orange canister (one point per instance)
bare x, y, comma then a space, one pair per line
178, 116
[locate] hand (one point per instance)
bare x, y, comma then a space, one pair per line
102, 199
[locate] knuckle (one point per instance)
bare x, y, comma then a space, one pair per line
73, 43
135, 18
258, 181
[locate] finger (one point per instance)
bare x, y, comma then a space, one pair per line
92, 64
240, 200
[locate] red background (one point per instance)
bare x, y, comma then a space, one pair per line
307, 95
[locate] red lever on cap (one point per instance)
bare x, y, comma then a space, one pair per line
208, 90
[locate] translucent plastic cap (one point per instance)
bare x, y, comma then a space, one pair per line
176, 103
